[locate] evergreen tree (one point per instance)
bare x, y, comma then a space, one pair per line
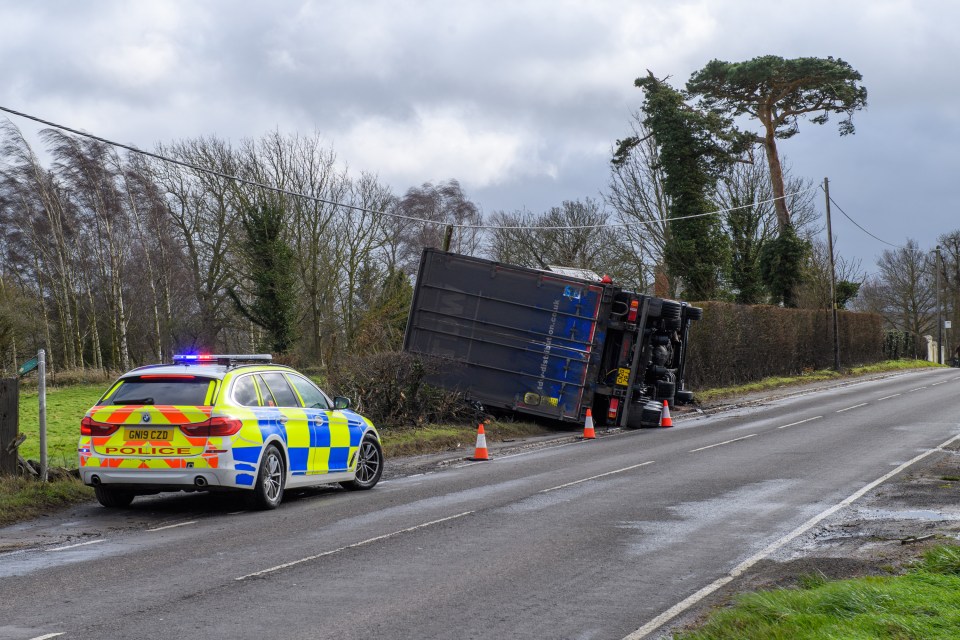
271, 273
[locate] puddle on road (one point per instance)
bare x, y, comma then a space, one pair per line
906, 514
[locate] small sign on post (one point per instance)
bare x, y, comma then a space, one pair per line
27, 367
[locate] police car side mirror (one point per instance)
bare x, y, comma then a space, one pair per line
340, 403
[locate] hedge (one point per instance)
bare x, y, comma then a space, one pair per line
734, 344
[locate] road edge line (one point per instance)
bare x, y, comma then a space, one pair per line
738, 570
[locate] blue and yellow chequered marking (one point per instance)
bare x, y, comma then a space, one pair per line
317, 441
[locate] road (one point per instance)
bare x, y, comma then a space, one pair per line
593, 539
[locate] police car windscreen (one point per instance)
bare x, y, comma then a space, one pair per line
171, 391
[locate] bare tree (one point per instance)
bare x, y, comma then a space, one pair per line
903, 291
571, 235
636, 195
442, 204
204, 214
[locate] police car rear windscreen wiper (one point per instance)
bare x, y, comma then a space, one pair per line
135, 401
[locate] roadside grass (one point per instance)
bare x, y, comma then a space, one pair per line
26, 498
922, 603
776, 382
437, 438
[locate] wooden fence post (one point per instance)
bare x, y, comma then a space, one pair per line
9, 425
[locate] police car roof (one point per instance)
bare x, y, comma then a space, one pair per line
203, 370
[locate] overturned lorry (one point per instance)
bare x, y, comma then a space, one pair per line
549, 343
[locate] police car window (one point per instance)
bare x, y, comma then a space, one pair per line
312, 397
245, 392
281, 391
160, 390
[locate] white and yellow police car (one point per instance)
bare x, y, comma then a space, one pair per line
231, 422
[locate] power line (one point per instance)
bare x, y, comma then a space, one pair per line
834, 203
296, 194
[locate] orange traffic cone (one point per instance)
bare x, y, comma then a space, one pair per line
481, 451
665, 420
588, 432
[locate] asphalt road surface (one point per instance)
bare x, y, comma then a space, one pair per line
596, 539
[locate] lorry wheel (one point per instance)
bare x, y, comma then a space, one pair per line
671, 309
683, 397
654, 309
694, 313
665, 390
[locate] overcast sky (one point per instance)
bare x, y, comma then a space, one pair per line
519, 101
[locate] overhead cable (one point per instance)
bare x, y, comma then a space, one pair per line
834, 203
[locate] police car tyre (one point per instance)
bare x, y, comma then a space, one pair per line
271, 478
369, 466
112, 497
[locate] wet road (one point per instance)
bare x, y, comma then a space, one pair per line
590, 539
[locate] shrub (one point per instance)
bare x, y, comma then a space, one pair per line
390, 388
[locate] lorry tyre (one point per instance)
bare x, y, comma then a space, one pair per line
655, 308
671, 324
683, 397
665, 390
694, 313
671, 309
651, 416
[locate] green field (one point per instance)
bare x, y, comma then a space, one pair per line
65, 408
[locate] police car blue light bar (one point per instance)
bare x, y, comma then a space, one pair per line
221, 358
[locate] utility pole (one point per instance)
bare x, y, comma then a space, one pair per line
939, 312
447, 236
833, 282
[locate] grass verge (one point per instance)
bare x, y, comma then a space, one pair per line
923, 603
777, 382
26, 498
437, 438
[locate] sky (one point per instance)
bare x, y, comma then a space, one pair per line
520, 101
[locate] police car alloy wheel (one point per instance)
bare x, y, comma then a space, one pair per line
268, 490
369, 466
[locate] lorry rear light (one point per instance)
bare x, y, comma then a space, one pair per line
614, 407
632, 314
217, 426
90, 427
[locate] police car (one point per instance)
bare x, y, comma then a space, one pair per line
223, 422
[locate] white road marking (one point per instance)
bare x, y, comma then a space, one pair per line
936, 383
793, 424
688, 602
287, 565
856, 406
710, 446
609, 473
888, 397
79, 544
173, 526
917, 389
235, 513
48, 636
